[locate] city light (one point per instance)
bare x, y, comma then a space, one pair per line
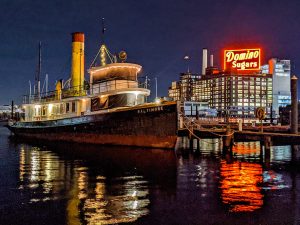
242, 59
157, 100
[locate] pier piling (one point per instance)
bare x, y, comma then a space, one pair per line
181, 122
228, 138
294, 115
261, 153
267, 142
198, 145
197, 150
12, 110
197, 113
294, 152
191, 144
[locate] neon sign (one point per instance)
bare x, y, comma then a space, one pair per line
242, 59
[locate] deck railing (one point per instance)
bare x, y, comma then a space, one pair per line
98, 88
112, 85
56, 95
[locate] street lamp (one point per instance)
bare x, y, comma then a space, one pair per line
187, 58
155, 87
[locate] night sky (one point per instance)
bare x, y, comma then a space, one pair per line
156, 34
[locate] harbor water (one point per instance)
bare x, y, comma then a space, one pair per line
84, 184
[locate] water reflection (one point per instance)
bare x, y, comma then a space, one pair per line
79, 185
241, 180
97, 192
274, 181
211, 146
249, 151
102, 203
244, 176
280, 154
41, 172
240, 186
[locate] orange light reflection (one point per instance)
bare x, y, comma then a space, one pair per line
240, 186
241, 181
246, 149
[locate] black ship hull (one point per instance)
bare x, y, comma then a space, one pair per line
149, 126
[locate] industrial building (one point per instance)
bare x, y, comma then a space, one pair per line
281, 82
238, 89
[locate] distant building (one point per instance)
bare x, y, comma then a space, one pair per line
236, 95
5, 111
174, 91
285, 114
184, 89
240, 88
190, 108
281, 79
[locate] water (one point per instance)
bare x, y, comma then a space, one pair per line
75, 184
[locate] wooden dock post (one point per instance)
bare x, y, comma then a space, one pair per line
197, 150
294, 98
12, 110
185, 143
191, 144
197, 113
181, 125
240, 125
185, 147
294, 150
261, 152
178, 144
267, 144
228, 139
198, 145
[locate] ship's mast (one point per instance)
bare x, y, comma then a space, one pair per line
103, 32
103, 47
37, 80
103, 52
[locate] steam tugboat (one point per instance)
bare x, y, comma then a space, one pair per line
110, 109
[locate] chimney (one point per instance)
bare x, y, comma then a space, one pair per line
272, 63
77, 70
204, 60
211, 60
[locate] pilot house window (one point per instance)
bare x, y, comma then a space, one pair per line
73, 106
43, 110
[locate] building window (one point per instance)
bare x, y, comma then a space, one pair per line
73, 106
67, 107
43, 110
62, 109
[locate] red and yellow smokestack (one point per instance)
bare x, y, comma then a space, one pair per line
77, 71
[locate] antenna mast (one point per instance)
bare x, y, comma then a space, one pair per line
103, 47
103, 31
103, 52
37, 81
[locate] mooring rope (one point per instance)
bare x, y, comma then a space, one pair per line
199, 127
200, 139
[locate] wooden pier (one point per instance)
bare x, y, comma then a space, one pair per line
195, 127
285, 138
195, 130
245, 135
